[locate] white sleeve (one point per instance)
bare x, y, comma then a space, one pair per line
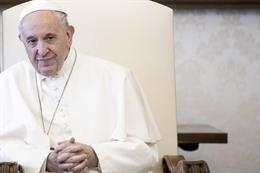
31, 158
130, 156
15, 141
132, 148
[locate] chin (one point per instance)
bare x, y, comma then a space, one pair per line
47, 73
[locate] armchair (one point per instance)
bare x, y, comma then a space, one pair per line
137, 34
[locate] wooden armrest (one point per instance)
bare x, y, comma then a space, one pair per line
169, 162
10, 167
178, 164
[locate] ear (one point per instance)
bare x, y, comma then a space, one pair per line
70, 33
20, 37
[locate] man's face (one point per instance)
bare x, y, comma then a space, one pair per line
46, 40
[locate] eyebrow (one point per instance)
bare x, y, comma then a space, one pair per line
50, 34
29, 38
47, 35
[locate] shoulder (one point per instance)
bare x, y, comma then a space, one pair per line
101, 65
15, 71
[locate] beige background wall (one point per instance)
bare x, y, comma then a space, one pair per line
218, 83
2, 7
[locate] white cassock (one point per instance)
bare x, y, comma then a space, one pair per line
102, 106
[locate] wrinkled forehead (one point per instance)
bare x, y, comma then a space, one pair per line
38, 5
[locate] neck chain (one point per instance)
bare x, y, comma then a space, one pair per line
61, 96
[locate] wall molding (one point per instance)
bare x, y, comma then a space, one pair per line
12, 2
209, 3
180, 3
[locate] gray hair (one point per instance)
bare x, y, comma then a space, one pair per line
63, 18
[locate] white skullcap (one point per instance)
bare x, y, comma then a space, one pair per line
36, 5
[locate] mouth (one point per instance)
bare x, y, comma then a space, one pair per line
45, 61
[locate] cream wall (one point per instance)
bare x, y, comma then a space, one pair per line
1, 38
3, 7
218, 83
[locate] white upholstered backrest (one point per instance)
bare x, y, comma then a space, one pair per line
137, 34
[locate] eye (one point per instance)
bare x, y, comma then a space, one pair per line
50, 38
31, 42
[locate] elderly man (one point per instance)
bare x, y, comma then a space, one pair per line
63, 111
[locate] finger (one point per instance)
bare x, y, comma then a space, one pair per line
80, 167
63, 145
72, 149
66, 166
62, 157
84, 170
71, 140
77, 158
60, 147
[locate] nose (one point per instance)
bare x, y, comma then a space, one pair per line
42, 48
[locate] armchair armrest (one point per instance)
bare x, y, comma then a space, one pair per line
178, 164
169, 162
10, 167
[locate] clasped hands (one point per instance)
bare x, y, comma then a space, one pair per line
71, 156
